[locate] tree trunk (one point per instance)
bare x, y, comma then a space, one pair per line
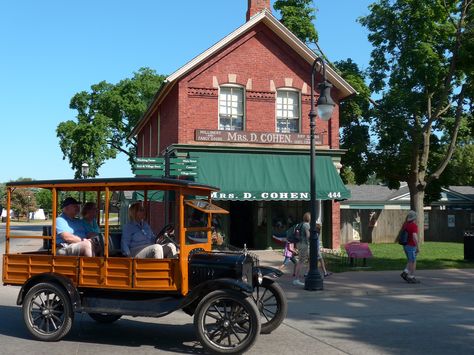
417, 195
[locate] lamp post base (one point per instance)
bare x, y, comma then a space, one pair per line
313, 281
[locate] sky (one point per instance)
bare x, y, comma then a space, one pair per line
52, 49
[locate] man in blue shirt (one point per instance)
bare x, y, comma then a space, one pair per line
71, 232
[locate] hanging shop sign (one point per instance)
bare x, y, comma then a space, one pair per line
203, 135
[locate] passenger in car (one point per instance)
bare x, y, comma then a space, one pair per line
71, 234
138, 239
89, 217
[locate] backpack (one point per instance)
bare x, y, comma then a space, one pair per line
403, 236
293, 235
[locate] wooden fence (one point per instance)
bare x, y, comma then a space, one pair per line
382, 226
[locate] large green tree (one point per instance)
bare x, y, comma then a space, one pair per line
298, 17
105, 117
422, 65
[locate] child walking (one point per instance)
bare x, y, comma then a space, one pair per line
290, 255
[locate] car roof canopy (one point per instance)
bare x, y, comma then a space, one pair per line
132, 183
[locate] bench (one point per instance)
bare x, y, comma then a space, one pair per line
357, 250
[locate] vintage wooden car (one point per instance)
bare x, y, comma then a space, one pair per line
231, 297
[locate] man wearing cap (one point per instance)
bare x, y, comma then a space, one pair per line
71, 232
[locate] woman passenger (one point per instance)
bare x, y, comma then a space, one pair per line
138, 240
89, 217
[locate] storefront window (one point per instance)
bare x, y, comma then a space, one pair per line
288, 111
231, 108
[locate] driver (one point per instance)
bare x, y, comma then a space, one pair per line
138, 240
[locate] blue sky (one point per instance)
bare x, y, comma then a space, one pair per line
51, 49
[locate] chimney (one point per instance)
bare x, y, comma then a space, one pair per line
255, 6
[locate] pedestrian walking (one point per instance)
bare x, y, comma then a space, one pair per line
289, 254
411, 248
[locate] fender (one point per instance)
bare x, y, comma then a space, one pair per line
195, 295
266, 272
54, 278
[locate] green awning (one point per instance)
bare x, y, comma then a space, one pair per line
261, 177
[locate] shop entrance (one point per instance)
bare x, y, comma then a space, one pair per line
241, 224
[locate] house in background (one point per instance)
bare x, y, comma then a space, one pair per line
374, 214
240, 109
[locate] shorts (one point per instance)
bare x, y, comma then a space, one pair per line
74, 249
410, 252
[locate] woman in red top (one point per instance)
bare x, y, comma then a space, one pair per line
411, 248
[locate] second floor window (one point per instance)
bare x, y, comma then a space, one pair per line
231, 108
288, 111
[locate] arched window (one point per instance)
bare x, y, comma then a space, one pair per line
288, 111
231, 108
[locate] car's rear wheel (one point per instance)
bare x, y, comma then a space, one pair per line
227, 322
47, 312
105, 317
271, 303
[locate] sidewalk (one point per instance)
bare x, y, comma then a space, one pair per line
362, 283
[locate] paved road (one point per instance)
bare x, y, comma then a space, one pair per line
387, 317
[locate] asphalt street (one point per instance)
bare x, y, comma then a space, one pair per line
372, 313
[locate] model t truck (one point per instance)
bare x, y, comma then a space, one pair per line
231, 297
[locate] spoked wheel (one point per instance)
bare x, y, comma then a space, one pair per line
227, 322
105, 317
271, 303
47, 312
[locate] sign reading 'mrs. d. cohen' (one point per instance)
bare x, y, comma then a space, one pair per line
204, 135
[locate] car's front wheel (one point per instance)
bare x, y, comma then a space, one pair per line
271, 303
227, 322
47, 312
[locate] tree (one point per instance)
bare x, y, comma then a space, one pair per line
423, 65
298, 17
105, 117
355, 120
22, 200
44, 200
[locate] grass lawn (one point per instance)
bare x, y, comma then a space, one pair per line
433, 255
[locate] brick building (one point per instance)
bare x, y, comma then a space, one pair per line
241, 109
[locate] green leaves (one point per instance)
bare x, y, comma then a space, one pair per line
105, 117
298, 17
421, 63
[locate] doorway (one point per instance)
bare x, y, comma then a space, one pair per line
241, 224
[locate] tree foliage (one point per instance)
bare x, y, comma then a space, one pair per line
298, 17
422, 64
355, 120
105, 117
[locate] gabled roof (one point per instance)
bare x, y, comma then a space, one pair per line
380, 193
279, 29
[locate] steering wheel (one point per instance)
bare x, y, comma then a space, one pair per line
164, 234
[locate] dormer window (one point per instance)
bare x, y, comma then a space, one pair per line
231, 108
288, 111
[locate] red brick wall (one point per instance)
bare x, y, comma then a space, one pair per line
257, 56
336, 224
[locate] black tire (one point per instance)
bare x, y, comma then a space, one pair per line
227, 322
105, 317
47, 312
271, 303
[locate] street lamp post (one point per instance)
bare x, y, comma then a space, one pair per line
85, 173
325, 107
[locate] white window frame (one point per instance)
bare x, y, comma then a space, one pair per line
285, 89
240, 87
